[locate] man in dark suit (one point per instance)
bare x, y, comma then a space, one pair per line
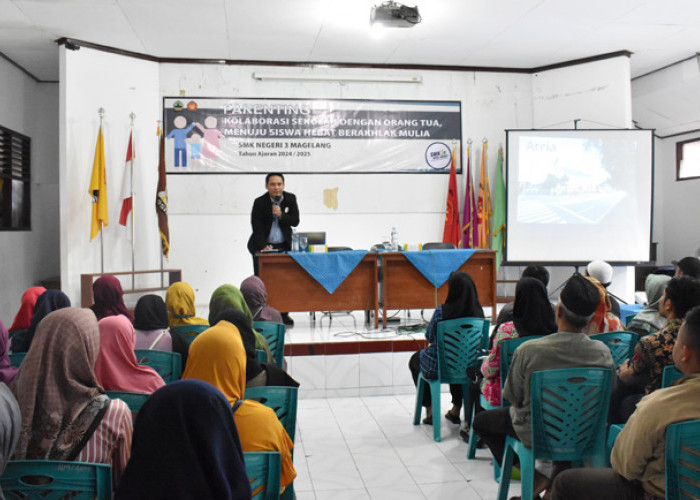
273, 216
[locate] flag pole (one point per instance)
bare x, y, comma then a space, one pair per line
101, 112
133, 202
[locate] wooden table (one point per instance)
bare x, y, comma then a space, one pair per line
404, 287
291, 288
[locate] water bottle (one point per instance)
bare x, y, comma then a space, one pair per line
394, 239
295, 240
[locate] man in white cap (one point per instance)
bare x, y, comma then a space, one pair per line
603, 272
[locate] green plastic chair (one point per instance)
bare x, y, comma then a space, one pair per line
683, 460
621, 344
569, 413
134, 400
508, 348
274, 334
54, 480
458, 347
190, 332
166, 363
17, 358
264, 472
670, 375
260, 356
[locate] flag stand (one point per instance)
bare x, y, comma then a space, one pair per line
133, 202
101, 112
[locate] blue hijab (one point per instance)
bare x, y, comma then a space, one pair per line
185, 446
48, 302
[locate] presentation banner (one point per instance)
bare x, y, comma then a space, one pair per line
221, 135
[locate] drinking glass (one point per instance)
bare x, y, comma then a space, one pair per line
303, 243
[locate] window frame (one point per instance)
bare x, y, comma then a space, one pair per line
679, 158
15, 166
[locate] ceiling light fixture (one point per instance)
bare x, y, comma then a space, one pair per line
394, 15
292, 77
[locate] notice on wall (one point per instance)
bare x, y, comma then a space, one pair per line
220, 135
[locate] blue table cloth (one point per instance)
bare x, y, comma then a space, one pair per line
329, 269
437, 265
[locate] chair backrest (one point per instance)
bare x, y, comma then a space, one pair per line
438, 245
17, 358
508, 348
166, 363
621, 344
274, 334
485, 335
459, 343
190, 332
264, 472
683, 460
54, 480
283, 400
629, 319
260, 355
569, 412
670, 375
134, 400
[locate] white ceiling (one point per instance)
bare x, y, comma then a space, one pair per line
496, 33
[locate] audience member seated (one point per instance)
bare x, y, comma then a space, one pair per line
185, 446
10, 423
649, 320
60, 398
569, 347
638, 457
151, 324
256, 374
506, 313
688, 266
217, 356
255, 295
603, 272
230, 297
116, 367
24, 316
109, 298
462, 302
49, 301
7, 371
532, 315
179, 300
604, 320
642, 374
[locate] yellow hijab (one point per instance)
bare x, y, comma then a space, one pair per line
217, 356
179, 299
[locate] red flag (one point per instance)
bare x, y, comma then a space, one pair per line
127, 191
484, 203
452, 233
162, 199
470, 230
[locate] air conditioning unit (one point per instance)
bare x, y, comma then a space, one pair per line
395, 15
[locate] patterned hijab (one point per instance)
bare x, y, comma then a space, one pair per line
185, 445
603, 319
24, 316
56, 388
116, 367
179, 299
227, 296
109, 298
7, 371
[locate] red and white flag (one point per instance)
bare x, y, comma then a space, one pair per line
127, 191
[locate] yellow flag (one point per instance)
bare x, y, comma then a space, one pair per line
98, 188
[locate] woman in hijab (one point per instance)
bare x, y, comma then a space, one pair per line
49, 301
151, 324
217, 356
532, 315
10, 423
116, 367
7, 371
256, 374
604, 320
109, 298
65, 414
227, 297
648, 320
179, 300
255, 295
185, 447
24, 316
462, 302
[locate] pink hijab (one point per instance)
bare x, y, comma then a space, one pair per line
116, 367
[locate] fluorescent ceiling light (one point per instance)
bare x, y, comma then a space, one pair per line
292, 77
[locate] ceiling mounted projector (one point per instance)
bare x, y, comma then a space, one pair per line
394, 15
